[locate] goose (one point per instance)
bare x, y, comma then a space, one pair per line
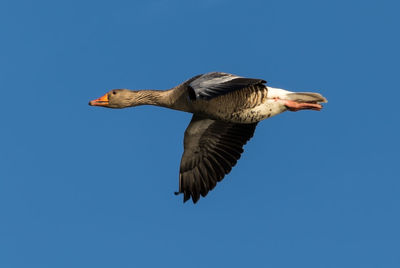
226, 109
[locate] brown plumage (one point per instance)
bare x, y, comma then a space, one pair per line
226, 109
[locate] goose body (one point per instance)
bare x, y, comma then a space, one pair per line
226, 109
249, 105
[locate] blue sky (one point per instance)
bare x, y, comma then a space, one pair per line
82, 186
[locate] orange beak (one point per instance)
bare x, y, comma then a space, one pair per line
102, 101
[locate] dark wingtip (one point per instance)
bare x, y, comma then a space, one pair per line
186, 197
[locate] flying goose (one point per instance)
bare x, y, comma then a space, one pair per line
226, 109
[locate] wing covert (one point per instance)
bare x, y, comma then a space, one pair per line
210, 85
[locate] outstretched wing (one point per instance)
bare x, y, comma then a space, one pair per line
210, 85
211, 149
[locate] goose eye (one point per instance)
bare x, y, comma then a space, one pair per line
114, 92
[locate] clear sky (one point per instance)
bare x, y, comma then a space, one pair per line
84, 186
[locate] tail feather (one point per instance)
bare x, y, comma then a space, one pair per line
306, 97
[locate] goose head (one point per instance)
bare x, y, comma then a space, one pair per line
117, 98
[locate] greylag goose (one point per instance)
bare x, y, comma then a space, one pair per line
226, 109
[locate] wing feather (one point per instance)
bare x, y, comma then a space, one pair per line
211, 149
210, 85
